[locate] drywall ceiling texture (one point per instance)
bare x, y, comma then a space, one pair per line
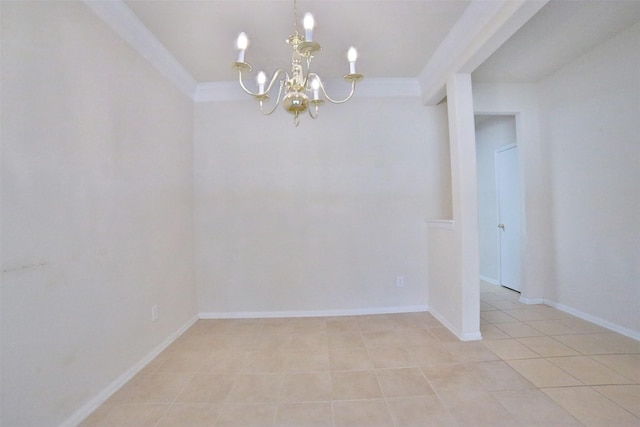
394, 38
558, 34
317, 219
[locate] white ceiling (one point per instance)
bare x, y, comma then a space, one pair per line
559, 33
395, 38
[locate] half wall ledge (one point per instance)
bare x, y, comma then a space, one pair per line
446, 224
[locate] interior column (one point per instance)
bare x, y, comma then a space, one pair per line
462, 143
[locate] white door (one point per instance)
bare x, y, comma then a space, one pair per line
508, 196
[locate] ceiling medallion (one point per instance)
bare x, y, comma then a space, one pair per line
299, 91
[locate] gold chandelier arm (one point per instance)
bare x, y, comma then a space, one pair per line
242, 84
275, 77
312, 114
273, 80
324, 92
261, 98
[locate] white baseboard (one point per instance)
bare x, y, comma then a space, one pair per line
531, 301
311, 313
489, 280
102, 397
474, 336
593, 319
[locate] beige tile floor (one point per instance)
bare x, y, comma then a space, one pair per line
536, 366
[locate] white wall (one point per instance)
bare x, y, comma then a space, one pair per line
589, 113
319, 218
96, 210
492, 132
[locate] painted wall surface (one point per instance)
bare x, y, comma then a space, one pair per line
319, 218
96, 210
589, 114
445, 275
492, 132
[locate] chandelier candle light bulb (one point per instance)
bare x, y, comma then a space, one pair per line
315, 85
352, 56
308, 24
262, 78
242, 44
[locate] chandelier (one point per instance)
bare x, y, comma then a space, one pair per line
301, 90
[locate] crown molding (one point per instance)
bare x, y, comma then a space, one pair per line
127, 25
388, 87
218, 92
368, 88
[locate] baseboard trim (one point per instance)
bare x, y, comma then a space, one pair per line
312, 313
473, 336
531, 301
594, 319
489, 280
86, 410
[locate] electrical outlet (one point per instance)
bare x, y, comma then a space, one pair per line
154, 313
400, 281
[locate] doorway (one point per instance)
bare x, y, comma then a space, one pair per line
499, 211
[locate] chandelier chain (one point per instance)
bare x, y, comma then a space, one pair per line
295, 17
